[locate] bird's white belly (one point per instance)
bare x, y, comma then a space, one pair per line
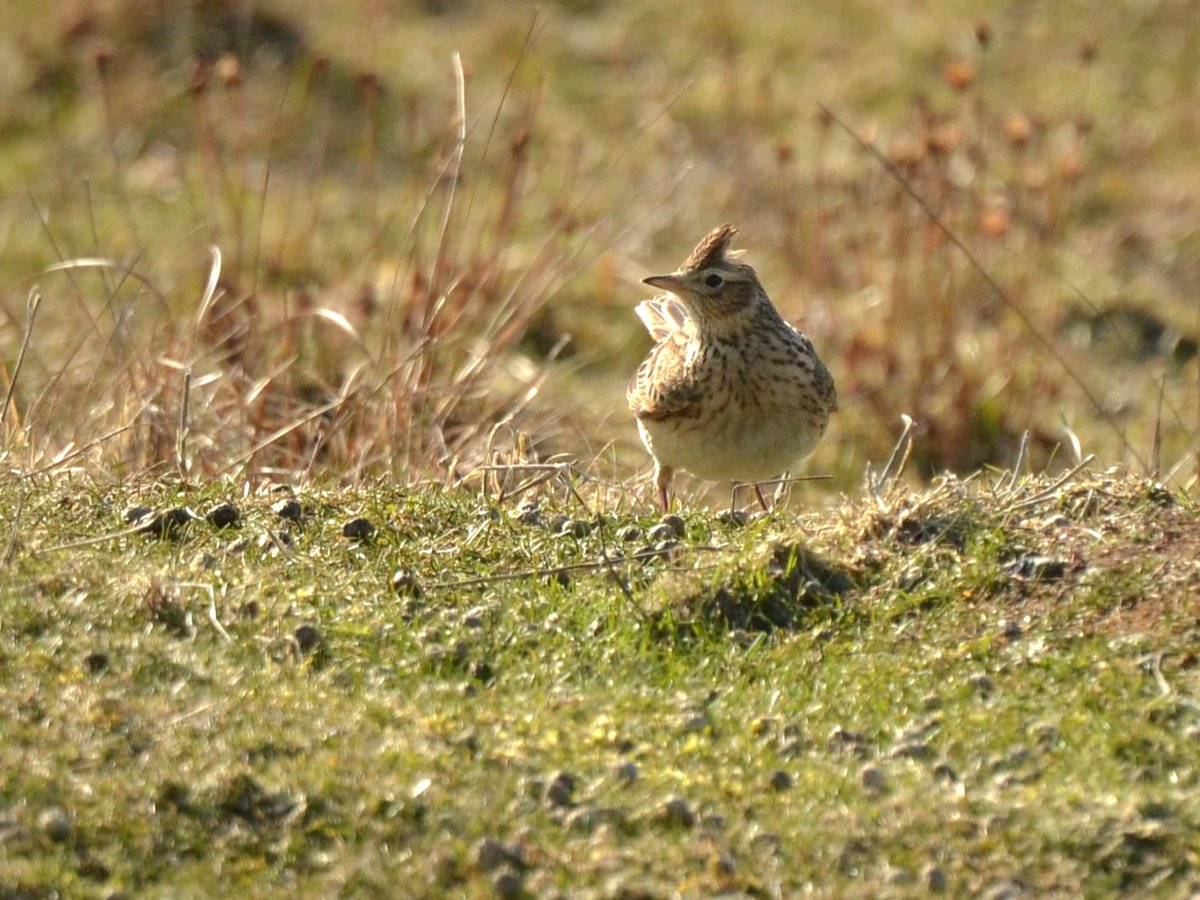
737, 449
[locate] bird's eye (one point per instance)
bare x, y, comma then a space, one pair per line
714, 280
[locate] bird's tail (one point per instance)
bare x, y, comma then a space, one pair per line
663, 316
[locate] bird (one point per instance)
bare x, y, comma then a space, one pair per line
730, 390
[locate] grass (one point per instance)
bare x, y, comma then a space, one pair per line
425, 263
962, 688
327, 558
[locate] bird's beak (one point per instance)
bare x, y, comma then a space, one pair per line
672, 283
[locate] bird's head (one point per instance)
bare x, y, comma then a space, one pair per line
711, 282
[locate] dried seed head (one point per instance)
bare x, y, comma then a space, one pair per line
944, 138
960, 73
1071, 165
1018, 128
996, 218
229, 71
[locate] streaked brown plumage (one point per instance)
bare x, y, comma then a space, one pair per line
730, 390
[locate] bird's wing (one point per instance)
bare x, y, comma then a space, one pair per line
663, 387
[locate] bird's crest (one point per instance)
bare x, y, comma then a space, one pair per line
713, 249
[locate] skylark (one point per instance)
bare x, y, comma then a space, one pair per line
730, 390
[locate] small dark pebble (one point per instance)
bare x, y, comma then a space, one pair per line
1010, 630
529, 514
627, 772
307, 637
175, 796
630, 533
734, 517
943, 771
1036, 568
781, 780
223, 515
982, 685
843, 739
359, 529
561, 790
508, 884
491, 854
661, 533
565, 526
167, 524
935, 880
677, 813
135, 513
482, 671
873, 779
288, 509
95, 663
55, 824
675, 523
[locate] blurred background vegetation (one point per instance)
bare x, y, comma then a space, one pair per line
432, 219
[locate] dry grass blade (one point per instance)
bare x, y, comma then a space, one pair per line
1156, 443
31, 306
123, 270
1052, 490
210, 287
895, 464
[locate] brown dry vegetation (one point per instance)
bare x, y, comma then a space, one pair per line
414, 277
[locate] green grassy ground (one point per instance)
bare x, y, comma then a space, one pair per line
406, 265
974, 688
